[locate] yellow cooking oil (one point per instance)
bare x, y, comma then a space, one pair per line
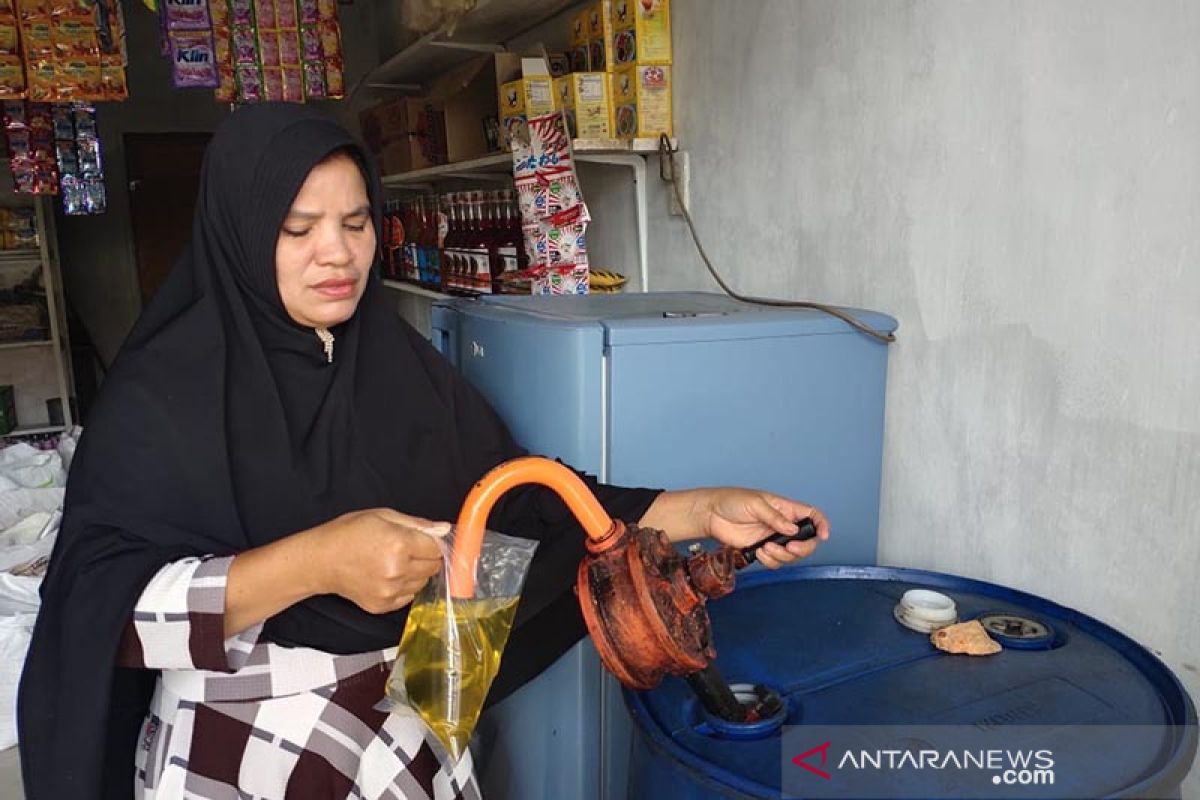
451, 655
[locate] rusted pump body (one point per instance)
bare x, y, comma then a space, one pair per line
642, 600
644, 604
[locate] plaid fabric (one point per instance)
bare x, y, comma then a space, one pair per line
249, 720
179, 621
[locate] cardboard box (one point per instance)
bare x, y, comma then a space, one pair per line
585, 99
404, 134
641, 31
641, 99
600, 37
470, 100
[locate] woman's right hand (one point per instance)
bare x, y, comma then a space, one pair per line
378, 559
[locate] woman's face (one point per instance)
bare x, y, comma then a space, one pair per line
326, 245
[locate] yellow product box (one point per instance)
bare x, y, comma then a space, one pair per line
579, 28
584, 98
527, 97
600, 37
641, 31
641, 99
601, 55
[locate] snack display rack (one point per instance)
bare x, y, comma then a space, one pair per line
37, 367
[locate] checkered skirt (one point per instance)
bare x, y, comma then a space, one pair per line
242, 719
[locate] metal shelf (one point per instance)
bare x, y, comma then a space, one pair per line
496, 163
615, 152
489, 25
51, 380
412, 288
585, 150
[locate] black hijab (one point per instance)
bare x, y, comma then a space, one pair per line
222, 427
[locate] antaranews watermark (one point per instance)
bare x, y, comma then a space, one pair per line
993, 762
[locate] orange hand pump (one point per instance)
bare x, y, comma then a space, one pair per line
642, 600
472, 520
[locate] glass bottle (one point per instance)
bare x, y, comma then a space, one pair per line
412, 228
476, 247
510, 243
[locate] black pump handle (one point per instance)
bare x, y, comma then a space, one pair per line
808, 530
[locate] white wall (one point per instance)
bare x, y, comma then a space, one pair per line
1016, 182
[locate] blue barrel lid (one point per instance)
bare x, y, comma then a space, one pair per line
826, 639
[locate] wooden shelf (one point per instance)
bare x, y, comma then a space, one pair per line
585, 150
491, 24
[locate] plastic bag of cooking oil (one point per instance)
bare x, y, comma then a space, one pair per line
451, 648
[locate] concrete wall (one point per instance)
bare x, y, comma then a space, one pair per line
99, 270
1016, 182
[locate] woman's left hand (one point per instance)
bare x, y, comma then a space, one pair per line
743, 517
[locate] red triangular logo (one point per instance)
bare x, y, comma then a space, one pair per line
823, 749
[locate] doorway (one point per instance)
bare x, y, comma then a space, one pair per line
164, 177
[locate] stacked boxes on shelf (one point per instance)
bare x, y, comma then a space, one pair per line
578, 54
522, 100
600, 36
627, 45
641, 85
585, 95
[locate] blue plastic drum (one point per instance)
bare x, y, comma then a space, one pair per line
826, 639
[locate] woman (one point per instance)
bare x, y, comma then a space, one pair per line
233, 569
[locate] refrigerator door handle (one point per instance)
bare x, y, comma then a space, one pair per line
443, 341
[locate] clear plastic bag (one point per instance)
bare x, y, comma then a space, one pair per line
451, 648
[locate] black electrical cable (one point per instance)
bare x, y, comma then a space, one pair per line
666, 171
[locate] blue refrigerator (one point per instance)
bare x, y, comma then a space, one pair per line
669, 390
